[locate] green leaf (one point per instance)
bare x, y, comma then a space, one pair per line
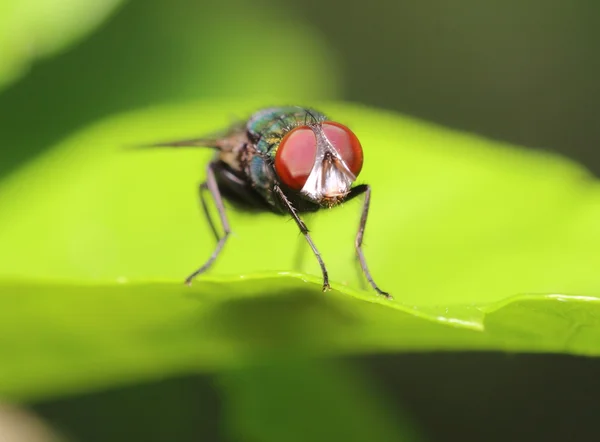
484, 247
31, 29
297, 401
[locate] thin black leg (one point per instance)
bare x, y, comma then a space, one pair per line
211, 223
213, 188
356, 191
304, 231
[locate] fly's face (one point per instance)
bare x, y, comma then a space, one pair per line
320, 160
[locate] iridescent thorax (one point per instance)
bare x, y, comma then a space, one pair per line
288, 160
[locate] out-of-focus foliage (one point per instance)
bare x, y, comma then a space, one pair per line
154, 52
302, 401
296, 400
32, 29
484, 246
523, 72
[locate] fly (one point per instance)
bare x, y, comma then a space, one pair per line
287, 160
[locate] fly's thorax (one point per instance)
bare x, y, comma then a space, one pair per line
268, 127
261, 176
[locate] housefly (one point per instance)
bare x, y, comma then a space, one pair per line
287, 160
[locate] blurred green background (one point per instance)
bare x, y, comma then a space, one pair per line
525, 72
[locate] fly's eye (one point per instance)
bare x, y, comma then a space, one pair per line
296, 153
346, 144
295, 157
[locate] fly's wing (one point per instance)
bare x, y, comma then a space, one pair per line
224, 140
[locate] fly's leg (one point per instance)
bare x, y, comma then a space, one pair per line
304, 231
356, 191
359, 272
203, 187
211, 185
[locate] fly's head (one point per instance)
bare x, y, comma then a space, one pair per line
321, 161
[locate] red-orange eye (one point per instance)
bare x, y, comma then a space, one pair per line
295, 157
346, 144
296, 153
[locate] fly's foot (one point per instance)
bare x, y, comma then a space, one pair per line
384, 294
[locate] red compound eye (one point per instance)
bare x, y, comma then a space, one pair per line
295, 156
346, 144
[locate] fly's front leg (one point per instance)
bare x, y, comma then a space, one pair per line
356, 191
211, 185
304, 231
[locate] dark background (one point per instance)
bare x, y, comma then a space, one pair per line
460, 396
525, 72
